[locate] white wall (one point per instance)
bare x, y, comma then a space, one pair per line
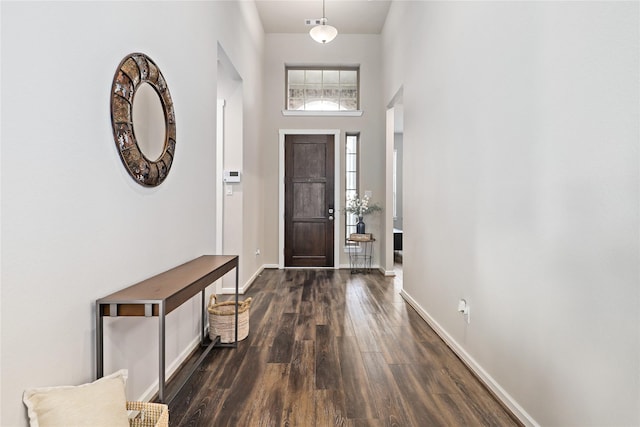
521, 195
346, 49
75, 227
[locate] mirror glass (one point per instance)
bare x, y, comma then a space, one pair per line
149, 124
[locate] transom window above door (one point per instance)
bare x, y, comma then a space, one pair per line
322, 89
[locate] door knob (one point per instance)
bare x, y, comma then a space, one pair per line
330, 217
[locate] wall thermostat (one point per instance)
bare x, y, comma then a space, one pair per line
231, 176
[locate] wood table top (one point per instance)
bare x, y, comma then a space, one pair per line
176, 285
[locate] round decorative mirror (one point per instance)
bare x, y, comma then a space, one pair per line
143, 119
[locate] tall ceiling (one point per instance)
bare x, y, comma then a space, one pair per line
348, 16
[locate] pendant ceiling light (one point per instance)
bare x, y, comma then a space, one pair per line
323, 33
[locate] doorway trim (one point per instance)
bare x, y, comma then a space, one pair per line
219, 180
391, 118
336, 190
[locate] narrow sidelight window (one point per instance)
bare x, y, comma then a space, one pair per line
351, 179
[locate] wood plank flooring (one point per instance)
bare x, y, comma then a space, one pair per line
328, 348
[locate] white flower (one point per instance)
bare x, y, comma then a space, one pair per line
361, 207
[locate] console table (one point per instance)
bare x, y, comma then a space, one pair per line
159, 296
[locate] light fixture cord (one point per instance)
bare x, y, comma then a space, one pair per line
324, 16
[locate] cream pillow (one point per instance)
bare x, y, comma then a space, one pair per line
101, 403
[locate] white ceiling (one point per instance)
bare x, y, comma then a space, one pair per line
348, 16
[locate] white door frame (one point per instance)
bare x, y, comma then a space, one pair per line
388, 216
219, 179
336, 189
389, 146
219, 184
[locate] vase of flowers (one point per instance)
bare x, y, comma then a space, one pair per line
361, 207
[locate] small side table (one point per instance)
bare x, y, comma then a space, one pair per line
360, 251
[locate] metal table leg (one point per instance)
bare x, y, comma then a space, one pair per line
204, 318
99, 342
236, 343
161, 362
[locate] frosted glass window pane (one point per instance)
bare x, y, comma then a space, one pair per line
331, 93
349, 104
348, 77
348, 93
330, 105
351, 162
296, 93
296, 76
296, 104
331, 77
314, 77
313, 92
351, 144
351, 180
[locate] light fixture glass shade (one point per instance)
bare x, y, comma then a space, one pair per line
323, 33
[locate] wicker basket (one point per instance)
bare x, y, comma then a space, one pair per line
222, 319
151, 414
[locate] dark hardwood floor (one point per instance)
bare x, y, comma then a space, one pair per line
328, 348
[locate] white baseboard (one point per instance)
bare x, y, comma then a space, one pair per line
170, 370
387, 273
243, 288
472, 364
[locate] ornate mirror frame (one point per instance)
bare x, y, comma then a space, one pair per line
134, 70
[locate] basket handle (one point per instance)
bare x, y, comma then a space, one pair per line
241, 305
212, 300
246, 303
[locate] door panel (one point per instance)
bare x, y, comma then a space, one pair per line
309, 241
308, 200
309, 191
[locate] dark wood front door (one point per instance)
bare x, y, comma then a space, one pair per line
309, 208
